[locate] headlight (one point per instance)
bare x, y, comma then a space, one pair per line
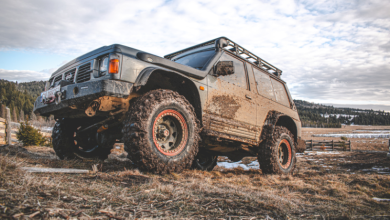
103, 66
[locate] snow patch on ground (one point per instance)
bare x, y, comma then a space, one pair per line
380, 199
232, 165
374, 131
320, 152
46, 129
362, 135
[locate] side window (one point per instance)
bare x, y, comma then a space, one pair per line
239, 76
280, 93
264, 85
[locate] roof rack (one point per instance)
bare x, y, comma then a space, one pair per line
235, 49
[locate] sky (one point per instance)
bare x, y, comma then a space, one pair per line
330, 51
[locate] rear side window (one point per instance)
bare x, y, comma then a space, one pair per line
239, 76
280, 93
264, 85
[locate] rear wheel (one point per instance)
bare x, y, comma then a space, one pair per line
68, 144
205, 161
161, 132
277, 154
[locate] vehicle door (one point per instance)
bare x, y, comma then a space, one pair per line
229, 108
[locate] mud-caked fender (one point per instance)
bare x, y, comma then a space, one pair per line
275, 118
190, 91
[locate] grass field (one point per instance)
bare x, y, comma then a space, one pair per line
340, 185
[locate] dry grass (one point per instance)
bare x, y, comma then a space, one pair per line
378, 144
118, 190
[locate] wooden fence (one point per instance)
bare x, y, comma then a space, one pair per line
328, 145
7, 133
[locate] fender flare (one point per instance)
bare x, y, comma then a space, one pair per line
272, 120
143, 79
144, 75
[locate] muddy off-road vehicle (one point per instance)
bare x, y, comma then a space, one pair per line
172, 113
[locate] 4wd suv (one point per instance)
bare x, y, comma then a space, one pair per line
183, 110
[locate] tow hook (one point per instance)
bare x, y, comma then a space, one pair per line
58, 97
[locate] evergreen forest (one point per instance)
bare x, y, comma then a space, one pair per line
322, 116
19, 97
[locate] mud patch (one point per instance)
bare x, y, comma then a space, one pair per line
225, 105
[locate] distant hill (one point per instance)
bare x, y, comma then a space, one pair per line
33, 88
319, 115
21, 103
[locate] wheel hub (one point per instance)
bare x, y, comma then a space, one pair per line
163, 132
170, 132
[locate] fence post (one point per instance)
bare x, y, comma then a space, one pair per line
311, 144
350, 146
8, 127
332, 145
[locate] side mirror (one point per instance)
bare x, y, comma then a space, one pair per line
224, 68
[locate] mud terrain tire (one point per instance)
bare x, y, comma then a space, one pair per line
62, 139
205, 161
65, 147
277, 154
144, 141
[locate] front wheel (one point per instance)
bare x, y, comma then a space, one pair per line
277, 154
161, 132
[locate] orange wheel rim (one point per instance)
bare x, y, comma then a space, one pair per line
170, 132
284, 154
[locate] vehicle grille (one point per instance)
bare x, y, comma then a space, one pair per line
58, 78
70, 75
84, 73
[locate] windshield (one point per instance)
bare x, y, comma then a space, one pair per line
196, 60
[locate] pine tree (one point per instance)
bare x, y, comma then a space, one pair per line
21, 115
14, 116
3, 111
28, 135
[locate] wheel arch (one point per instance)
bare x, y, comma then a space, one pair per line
289, 123
157, 78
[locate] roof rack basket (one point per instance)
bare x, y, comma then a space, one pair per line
235, 49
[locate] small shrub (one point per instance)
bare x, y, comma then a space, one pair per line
342, 144
28, 135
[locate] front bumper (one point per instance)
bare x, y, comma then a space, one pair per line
82, 93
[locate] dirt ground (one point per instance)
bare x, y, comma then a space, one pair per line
335, 185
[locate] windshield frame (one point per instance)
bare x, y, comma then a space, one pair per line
205, 65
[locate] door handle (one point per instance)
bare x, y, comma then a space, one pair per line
248, 97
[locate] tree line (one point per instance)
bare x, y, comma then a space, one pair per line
317, 115
19, 98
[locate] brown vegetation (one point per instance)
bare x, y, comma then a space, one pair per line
324, 186
377, 144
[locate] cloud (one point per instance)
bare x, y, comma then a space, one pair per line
328, 50
25, 75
